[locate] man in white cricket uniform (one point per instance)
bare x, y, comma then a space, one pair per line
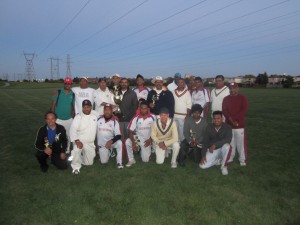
183, 105
109, 136
102, 96
218, 94
81, 93
141, 90
83, 133
164, 135
139, 130
201, 96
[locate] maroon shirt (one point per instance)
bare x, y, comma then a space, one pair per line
234, 108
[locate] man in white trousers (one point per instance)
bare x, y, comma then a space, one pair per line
139, 130
109, 136
216, 147
164, 135
83, 133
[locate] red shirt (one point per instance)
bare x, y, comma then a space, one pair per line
234, 109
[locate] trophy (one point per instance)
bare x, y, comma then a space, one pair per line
192, 137
137, 142
154, 98
117, 99
48, 145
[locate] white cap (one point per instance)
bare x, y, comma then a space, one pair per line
158, 78
86, 78
115, 75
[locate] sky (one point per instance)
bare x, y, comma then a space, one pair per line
150, 37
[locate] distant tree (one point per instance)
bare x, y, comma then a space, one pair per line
75, 79
46, 80
262, 79
288, 82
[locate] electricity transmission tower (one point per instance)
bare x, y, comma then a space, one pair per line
29, 69
68, 74
54, 68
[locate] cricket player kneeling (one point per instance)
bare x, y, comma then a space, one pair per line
83, 133
216, 147
164, 135
139, 130
109, 136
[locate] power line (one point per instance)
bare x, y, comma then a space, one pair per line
68, 24
107, 26
143, 29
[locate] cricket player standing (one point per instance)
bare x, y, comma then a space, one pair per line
218, 94
139, 130
235, 107
83, 133
109, 136
82, 92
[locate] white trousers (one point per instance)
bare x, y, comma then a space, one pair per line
67, 125
84, 156
145, 151
238, 142
222, 154
160, 153
105, 153
179, 123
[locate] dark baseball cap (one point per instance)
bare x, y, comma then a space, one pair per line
86, 102
164, 110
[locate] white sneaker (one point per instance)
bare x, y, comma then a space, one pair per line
76, 171
224, 170
120, 166
243, 164
130, 163
173, 165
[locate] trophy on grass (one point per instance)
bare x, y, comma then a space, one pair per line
118, 100
137, 142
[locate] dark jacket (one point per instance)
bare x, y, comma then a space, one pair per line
59, 145
218, 138
128, 105
166, 99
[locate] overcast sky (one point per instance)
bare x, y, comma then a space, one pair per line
154, 37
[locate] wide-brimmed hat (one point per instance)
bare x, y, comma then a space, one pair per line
115, 75
158, 78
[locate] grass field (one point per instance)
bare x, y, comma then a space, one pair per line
267, 191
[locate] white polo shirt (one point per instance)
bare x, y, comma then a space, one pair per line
142, 126
107, 130
141, 93
201, 97
100, 97
82, 94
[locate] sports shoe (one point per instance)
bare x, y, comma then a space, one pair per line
120, 166
130, 163
173, 165
112, 153
44, 169
224, 170
76, 171
243, 164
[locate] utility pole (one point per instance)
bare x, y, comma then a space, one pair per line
29, 69
68, 74
54, 68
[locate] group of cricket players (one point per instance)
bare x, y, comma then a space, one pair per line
116, 121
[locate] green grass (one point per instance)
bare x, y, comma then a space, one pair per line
264, 192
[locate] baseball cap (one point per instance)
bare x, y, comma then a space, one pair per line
108, 106
86, 102
233, 85
158, 78
115, 75
68, 80
177, 75
139, 76
164, 110
86, 78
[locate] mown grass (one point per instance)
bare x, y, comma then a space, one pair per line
264, 192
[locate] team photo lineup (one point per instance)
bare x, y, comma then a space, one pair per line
124, 123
